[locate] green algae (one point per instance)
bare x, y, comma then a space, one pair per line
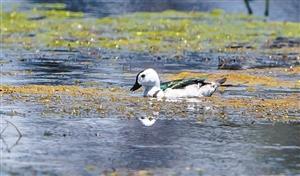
168, 31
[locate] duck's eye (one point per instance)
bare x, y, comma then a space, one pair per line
143, 76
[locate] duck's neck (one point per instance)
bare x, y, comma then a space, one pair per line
152, 91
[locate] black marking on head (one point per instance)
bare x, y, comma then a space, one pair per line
136, 85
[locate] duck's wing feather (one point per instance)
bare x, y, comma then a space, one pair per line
181, 83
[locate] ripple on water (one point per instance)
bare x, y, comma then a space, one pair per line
177, 144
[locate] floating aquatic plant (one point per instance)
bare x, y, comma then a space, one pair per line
168, 31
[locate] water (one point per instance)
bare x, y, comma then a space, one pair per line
93, 145
63, 67
70, 146
204, 142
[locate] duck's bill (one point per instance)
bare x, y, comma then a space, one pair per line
136, 86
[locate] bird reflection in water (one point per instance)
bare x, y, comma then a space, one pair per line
147, 121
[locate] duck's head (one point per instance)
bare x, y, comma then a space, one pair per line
147, 78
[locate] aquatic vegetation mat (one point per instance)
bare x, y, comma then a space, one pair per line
76, 101
168, 31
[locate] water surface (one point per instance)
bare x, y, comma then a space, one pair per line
206, 141
184, 147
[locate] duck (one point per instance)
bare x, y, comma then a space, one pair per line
181, 88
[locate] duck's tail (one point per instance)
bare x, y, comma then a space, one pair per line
221, 81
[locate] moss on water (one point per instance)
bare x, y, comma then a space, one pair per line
52, 90
277, 109
283, 103
78, 101
168, 31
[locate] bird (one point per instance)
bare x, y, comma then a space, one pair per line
147, 121
181, 88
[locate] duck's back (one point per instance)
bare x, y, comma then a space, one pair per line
181, 83
190, 88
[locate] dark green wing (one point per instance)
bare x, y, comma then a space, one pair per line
181, 83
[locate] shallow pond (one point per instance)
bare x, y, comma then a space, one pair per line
203, 142
76, 115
